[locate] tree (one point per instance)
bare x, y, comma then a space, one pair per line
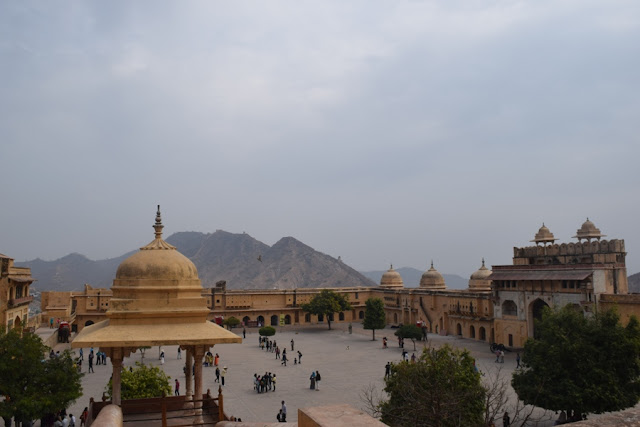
441, 389
326, 303
267, 331
374, 317
141, 382
231, 322
33, 386
581, 364
409, 331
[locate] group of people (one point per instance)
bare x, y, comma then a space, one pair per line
264, 383
315, 380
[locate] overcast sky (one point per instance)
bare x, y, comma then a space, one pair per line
379, 131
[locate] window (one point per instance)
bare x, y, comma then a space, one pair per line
356, 295
509, 308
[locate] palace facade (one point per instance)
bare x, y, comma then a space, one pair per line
499, 305
14, 294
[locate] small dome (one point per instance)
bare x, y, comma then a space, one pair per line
479, 280
588, 231
432, 279
482, 273
157, 265
544, 236
391, 279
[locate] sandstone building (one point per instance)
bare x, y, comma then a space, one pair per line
14, 294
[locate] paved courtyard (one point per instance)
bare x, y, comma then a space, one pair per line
347, 363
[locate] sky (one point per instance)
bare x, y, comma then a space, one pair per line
378, 131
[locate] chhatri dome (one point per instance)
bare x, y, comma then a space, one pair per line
479, 280
391, 279
432, 279
588, 231
544, 236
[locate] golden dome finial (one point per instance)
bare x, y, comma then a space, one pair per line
158, 225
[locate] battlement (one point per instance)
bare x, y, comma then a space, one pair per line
596, 252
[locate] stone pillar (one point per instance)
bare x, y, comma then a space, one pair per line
198, 355
188, 367
116, 362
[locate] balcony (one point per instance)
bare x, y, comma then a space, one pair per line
15, 302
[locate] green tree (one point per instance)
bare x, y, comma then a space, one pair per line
441, 389
141, 382
267, 331
374, 317
326, 303
34, 386
231, 322
581, 364
409, 331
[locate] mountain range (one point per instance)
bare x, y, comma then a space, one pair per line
239, 259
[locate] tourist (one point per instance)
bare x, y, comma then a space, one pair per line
216, 360
299, 357
72, 420
317, 380
279, 416
501, 356
222, 374
90, 362
312, 378
284, 412
244, 332
413, 358
384, 342
277, 352
405, 353
176, 391
179, 353
284, 359
497, 356
81, 354
83, 416
162, 358
291, 344
387, 370
517, 360
217, 380
273, 381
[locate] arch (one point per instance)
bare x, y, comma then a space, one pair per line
88, 323
472, 332
341, 316
246, 320
509, 308
260, 320
535, 314
361, 314
274, 320
17, 323
483, 333
459, 329
436, 329
320, 318
395, 317
307, 318
287, 319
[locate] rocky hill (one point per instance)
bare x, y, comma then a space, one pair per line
241, 260
411, 278
634, 283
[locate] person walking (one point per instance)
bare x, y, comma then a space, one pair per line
387, 370
222, 374
312, 379
273, 381
284, 412
284, 359
277, 352
517, 360
244, 333
317, 380
83, 416
81, 354
506, 421
179, 353
291, 344
217, 380
299, 357
216, 360
90, 363
176, 391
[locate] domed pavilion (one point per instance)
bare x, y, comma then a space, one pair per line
391, 279
157, 300
432, 279
544, 236
588, 231
479, 280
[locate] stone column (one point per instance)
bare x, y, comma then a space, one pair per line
198, 355
188, 366
116, 361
